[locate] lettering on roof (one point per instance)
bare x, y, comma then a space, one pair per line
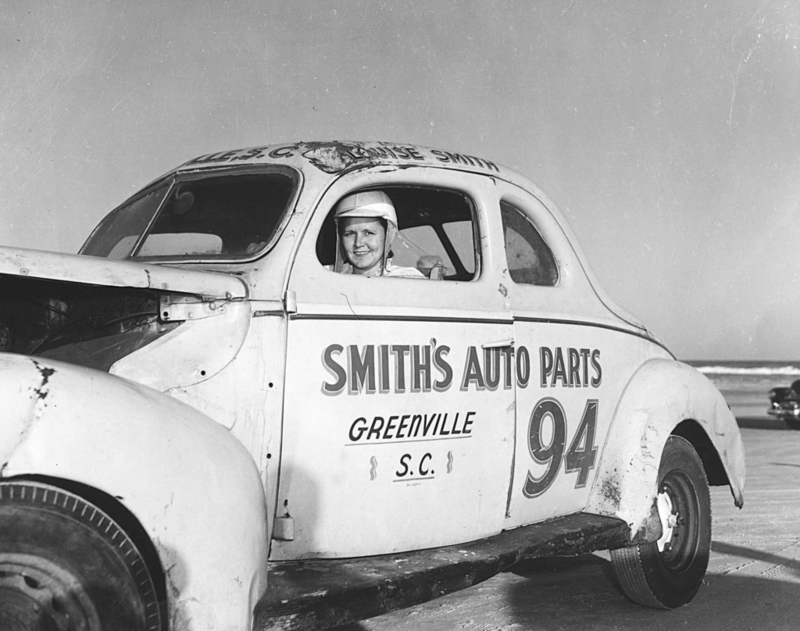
335, 157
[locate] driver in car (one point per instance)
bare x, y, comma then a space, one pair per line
366, 225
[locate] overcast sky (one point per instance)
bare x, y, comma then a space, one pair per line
668, 132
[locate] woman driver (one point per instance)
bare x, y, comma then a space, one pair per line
366, 225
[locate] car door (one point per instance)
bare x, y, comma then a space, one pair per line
399, 405
579, 354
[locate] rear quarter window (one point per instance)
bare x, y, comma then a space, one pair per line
530, 260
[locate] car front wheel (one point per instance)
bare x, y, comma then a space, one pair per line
668, 573
64, 565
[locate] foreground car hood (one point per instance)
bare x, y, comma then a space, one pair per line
100, 271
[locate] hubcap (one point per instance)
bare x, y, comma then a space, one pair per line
669, 521
678, 507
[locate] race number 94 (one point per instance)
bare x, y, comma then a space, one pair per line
582, 452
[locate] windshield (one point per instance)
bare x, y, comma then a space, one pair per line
209, 216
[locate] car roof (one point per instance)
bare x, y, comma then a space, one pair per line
336, 157
332, 158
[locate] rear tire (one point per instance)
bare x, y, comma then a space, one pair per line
64, 565
668, 573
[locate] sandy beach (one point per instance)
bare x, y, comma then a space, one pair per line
746, 384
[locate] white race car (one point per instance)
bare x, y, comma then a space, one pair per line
298, 385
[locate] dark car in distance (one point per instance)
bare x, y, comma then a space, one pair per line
785, 404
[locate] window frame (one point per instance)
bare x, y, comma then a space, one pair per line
178, 177
548, 249
445, 240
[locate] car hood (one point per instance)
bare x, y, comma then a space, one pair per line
91, 270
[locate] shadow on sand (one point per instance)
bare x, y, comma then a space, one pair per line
582, 593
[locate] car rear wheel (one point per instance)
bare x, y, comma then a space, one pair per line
65, 565
668, 573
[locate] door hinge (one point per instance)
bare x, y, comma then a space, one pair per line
290, 301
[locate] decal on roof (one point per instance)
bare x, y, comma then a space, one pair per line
334, 156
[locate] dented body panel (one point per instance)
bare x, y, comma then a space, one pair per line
252, 408
661, 395
192, 486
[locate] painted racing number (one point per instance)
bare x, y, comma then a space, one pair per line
580, 456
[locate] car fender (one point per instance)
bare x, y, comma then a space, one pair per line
192, 486
660, 396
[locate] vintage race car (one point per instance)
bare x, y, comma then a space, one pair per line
205, 425
785, 404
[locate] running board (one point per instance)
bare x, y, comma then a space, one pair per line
323, 593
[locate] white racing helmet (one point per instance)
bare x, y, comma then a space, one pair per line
365, 204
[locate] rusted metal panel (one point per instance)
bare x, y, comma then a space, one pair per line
304, 595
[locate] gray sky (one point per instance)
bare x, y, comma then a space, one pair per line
668, 132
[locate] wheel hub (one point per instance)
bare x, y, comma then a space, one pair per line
38, 594
669, 521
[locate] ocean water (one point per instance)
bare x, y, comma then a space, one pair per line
746, 384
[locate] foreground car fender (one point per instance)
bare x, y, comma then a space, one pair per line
662, 398
193, 487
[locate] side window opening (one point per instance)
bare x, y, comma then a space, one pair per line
530, 260
436, 233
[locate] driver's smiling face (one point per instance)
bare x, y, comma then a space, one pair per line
363, 240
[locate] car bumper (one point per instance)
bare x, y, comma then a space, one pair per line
782, 413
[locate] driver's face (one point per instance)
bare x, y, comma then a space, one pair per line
363, 240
